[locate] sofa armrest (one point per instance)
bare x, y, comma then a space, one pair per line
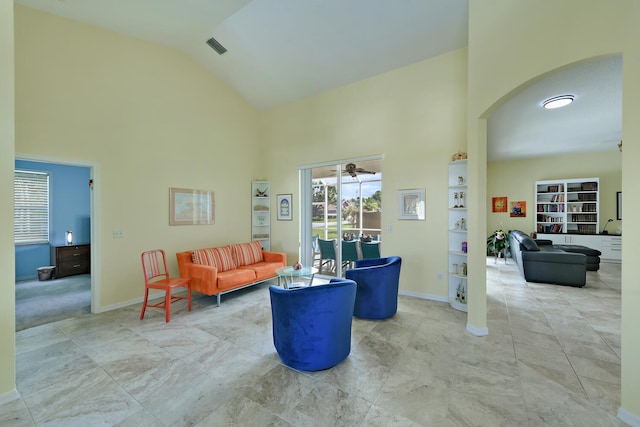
204, 278
184, 261
275, 257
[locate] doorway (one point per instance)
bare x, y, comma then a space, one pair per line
72, 207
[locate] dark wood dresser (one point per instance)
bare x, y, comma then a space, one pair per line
71, 259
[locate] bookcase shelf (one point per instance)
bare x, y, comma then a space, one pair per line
457, 277
261, 213
567, 206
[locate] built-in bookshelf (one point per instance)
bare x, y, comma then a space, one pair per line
458, 235
261, 213
567, 206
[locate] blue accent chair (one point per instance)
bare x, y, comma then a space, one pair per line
377, 294
312, 325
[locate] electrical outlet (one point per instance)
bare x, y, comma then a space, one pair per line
439, 276
118, 234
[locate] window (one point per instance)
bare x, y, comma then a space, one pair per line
31, 198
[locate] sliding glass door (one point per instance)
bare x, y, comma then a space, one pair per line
341, 207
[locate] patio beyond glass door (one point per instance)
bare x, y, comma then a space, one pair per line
342, 214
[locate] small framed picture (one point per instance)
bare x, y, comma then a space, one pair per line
285, 209
499, 204
411, 204
518, 209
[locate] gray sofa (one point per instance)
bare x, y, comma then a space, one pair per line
541, 261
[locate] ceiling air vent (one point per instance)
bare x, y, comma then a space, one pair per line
215, 45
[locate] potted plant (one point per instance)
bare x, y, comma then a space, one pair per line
498, 242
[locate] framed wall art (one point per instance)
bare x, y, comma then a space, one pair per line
284, 207
411, 204
499, 204
518, 209
190, 207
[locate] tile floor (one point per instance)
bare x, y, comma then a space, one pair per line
552, 359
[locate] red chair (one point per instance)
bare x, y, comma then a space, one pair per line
156, 276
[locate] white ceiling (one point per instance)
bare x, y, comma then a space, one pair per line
280, 51
521, 128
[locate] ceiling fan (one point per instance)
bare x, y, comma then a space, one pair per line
352, 170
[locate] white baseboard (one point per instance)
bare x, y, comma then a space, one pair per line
9, 396
629, 418
424, 296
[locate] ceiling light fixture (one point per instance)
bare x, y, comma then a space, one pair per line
558, 101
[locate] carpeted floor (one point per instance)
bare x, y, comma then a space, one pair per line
49, 301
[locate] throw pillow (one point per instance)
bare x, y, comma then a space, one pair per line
529, 244
221, 258
248, 253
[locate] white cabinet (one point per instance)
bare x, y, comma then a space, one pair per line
261, 213
609, 245
611, 248
592, 241
457, 284
567, 206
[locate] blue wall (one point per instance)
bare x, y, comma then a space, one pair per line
69, 209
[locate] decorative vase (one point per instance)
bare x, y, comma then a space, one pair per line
297, 266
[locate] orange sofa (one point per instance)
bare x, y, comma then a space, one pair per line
216, 271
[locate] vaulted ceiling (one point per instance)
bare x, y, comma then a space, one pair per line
279, 51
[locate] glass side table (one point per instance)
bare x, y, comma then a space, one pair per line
287, 275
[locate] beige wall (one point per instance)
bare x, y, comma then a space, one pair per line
516, 180
513, 43
151, 119
7, 251
414, 117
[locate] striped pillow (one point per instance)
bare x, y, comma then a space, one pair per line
221, 258
248, 253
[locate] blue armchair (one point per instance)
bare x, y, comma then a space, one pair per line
312, 325
377, 294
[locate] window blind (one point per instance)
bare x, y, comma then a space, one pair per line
31, 207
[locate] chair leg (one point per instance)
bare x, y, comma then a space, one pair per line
189, 295
144, 303
167, 305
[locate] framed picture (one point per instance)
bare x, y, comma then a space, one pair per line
499, 204
284, 207
189, 207
411, 204
518, 209
619, 205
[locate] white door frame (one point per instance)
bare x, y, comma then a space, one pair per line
94, 172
